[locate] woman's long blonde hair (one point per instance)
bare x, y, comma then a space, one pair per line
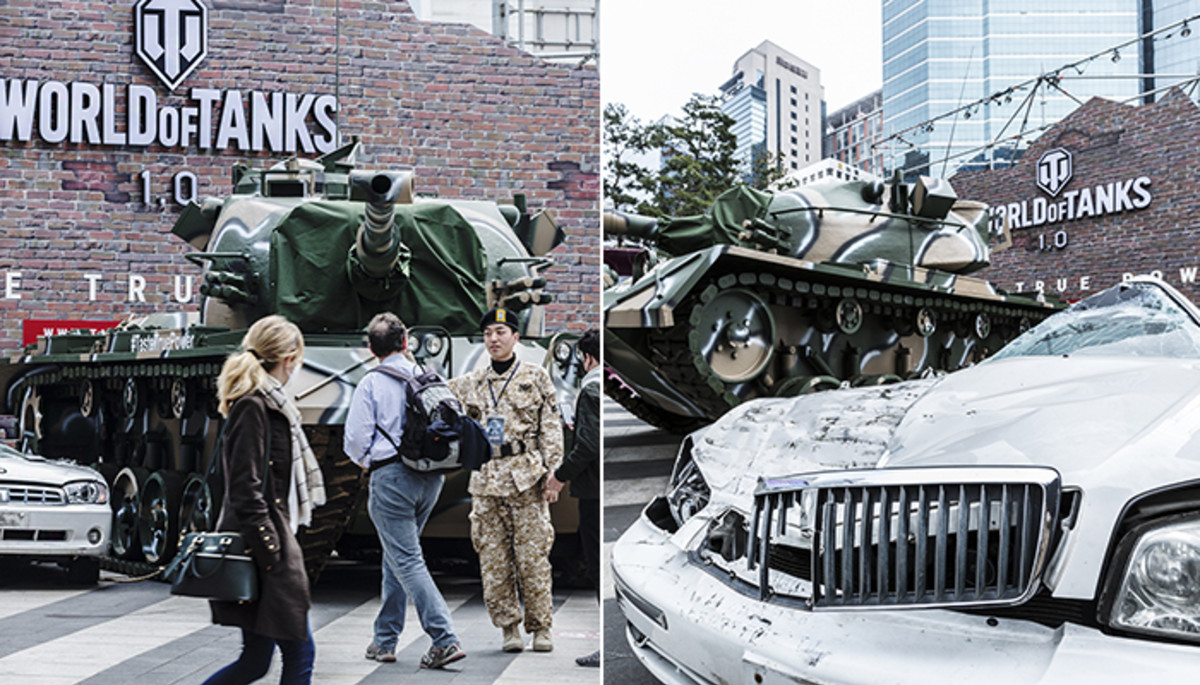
268, 342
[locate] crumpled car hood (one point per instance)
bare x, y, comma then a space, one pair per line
33, 469
1113, 427
1097, 420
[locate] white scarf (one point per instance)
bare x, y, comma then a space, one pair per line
307, 487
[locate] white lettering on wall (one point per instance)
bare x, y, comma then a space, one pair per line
137, 288
12, 281
84, 113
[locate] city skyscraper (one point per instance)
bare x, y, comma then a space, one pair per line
939, 55
777, 103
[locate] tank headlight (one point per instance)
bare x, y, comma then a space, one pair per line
434, 344
86, 492
689, 491
1160, 591
414, 344
562, 351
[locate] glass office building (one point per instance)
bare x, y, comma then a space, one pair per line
939, 55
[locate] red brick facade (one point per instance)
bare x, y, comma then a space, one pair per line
1143, 160
475, 117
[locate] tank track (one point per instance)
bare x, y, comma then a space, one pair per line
679, 351
153, 441
659, 418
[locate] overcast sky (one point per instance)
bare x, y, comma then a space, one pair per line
655, 53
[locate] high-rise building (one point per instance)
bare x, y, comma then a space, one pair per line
852, 134
1174, 54
939, 55
555, 30
777, 103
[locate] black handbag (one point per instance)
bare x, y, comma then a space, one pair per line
217, 565
214, 566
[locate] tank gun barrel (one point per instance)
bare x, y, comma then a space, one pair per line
630, 225
377, 246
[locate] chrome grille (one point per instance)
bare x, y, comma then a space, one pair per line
921, 537
30, 494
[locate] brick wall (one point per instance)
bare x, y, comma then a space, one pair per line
1109, 143
475, 117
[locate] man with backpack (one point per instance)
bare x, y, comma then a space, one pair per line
510, 510
400, 499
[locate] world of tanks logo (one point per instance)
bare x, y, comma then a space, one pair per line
171, 37
1054, 170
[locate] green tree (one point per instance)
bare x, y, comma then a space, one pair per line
698, 161
766, 168
697, 153
624, 140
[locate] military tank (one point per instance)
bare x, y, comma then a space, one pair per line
327, 246
777, 293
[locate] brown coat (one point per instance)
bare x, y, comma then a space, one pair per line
281, 611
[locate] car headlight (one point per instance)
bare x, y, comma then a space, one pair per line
689, 491
1160, 591
86, 492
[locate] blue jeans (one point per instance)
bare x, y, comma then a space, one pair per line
400, 503
255, 661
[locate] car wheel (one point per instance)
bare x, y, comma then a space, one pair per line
84, 571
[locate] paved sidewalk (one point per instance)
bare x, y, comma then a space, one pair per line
121, 633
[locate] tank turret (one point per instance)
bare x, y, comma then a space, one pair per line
774, 293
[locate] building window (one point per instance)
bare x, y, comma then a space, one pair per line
793, 115
794, 103
794, 90
793, 140
794, 166
793, 127
794, 153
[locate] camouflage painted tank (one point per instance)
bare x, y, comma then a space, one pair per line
781, 293
326, 246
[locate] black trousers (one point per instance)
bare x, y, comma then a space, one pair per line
589, 539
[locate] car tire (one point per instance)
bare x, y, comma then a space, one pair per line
83, 571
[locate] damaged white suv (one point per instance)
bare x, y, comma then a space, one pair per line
53, 511
1032, 519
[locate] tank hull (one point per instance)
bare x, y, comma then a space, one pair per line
706, 331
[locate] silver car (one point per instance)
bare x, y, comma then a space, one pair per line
53, 511
1032, 519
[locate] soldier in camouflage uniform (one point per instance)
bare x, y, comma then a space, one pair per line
510, 510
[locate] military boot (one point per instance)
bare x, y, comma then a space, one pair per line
542, 642
512, 639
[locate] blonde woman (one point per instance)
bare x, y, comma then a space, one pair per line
264, 442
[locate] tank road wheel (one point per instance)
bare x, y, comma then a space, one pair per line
740, 333
983, 326
926, 321
31, 420
158, 516
197, 512
131, 398
849, 315
181, 399
126, 500
87, 398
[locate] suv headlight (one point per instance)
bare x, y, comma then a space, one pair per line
1160, 591
689, 491
86, 492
